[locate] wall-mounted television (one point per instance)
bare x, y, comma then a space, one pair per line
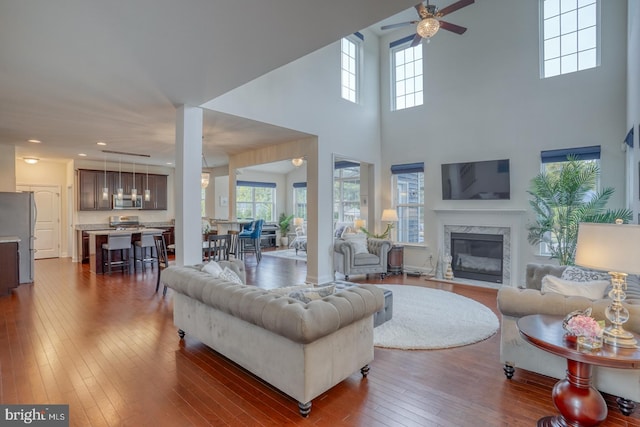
485, 180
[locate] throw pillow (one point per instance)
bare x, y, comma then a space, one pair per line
577, 274
310, 294
593, 290
230, 276
213, 268
339, 231
358, 241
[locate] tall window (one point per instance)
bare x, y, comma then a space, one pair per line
552, 161
346, 191
350, 66
255, 200
407, 74
300, 200
408, 194
570, 33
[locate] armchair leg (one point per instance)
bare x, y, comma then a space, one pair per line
626, 406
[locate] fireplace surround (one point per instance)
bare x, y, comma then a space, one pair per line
477, 256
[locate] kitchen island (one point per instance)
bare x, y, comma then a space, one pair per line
98, 237
9, 264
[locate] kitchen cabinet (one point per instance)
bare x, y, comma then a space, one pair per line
85, 247
158, 189
9, 265
91, 182
90, 185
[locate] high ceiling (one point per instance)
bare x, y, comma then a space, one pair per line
75, 72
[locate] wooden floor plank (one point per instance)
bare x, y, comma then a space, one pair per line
106, 345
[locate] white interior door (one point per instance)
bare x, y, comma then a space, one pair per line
47, 198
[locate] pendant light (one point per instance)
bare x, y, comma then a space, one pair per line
204, 176
105, 189
147, 192
134, 190
120, 192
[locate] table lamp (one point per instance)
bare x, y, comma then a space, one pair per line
612, 248
359, 224
389, 216
298, 222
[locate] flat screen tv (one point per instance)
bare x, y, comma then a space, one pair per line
485, 180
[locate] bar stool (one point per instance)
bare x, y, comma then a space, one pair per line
144, 246
117, 242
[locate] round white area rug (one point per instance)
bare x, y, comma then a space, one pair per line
425, 318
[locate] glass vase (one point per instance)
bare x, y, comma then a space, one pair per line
589, 343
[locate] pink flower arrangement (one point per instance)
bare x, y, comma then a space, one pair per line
584, 326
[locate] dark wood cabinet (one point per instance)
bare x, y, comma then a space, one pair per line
85, 248
91, 182
9, 266
158, 190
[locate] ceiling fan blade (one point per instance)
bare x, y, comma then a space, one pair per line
455, 6
452, 27
398, 25
416, 40
421, 9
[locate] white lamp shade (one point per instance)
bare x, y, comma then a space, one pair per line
298, 222
389, 215
609, 247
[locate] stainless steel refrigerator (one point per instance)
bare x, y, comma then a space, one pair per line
18, 218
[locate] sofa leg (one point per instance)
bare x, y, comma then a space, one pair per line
304, 408
509, 371
365, 371
626, 406
181, 333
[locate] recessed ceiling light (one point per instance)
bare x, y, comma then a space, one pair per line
102, 143
82, 155
35, 141
169, 163
30, 160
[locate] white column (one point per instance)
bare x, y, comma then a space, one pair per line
188, 229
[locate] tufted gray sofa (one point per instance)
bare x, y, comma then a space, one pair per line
301, 349
515, 352
347, 262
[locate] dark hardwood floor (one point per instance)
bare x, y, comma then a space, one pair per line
107, 347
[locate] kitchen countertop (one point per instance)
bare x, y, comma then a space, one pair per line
111, 231
88, 227
9, 239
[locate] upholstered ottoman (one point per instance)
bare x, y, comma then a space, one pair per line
381, 316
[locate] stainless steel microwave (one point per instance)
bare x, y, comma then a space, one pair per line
127, 202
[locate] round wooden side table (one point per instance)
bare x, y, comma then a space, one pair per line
578, 402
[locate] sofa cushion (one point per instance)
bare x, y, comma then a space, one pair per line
286, 290
366, 259
593, 290
577, 274
310, 294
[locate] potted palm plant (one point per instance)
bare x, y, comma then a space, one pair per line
284, 222
562, 200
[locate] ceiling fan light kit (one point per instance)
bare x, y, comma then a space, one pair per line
428, 27
430, 21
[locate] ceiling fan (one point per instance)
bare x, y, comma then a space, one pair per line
430, 21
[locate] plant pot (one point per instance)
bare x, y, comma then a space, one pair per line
284, 241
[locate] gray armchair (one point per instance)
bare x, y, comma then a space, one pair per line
348, 262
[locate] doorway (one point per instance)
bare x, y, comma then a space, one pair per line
47, 230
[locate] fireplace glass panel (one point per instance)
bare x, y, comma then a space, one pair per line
477, 256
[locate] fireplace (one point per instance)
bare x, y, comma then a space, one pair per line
477, 256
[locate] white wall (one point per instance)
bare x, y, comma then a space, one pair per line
633, 104
305, 95
7, 168
484, 100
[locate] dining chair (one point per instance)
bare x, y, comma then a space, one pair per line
163, 259
218, 247
249, 240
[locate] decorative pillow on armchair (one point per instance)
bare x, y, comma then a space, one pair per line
593, 290
310, 294
358, 241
